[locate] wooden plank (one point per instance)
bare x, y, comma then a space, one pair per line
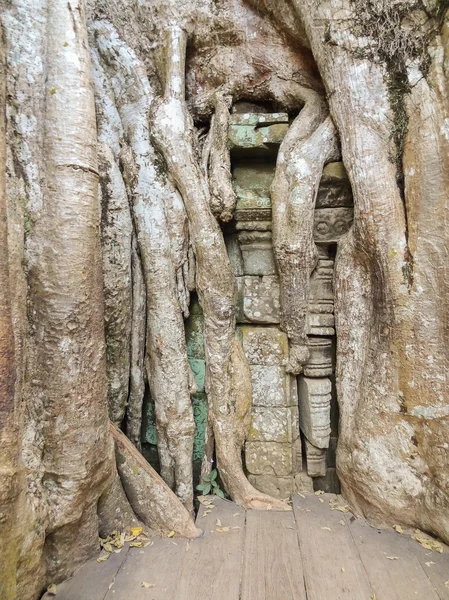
331, 563
438, 573
212, 566
158, 564
92, 580
272, 566
399, 577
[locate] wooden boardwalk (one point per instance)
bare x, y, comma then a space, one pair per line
309, 553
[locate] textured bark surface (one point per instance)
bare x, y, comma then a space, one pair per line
310, 143
145, 121
391, 358
152, 500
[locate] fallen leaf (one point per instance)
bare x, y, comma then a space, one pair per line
343, 509
342, 569
326, 528
319, 492
429, 563
103, 556
427, 542
398, 528
237, 527
393, 557
302, 495
52, 589
373, 597
446, 583
147, 585
136, 531
136, 544
171, 534
218, 523
342, 522
236, 514
219, 529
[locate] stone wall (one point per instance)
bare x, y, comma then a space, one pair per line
288, 414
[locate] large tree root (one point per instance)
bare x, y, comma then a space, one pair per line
172, 129
307, 147
150, 497
116, 234
152, 196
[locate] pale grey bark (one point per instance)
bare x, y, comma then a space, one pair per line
310, 143
152, 195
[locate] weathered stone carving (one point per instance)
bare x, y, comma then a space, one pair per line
335, 189
320, 361
331, 223
314, 409
316, 460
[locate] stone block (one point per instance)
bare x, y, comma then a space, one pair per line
253, 175
329, 483
296, 456
314, 409
277, 487
335, 189
257, 131
234, 253
320, 361
268, 458
270, 425
320, 324
258, 299
264, 345
303, 482
257, 252
316, 460
269, 386
253, 225
331, 223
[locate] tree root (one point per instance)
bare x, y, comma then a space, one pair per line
153, 196
173, 133
307, 147
151, 499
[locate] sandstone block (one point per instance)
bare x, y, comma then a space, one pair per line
268, 458
331, 223
269, 386
257, 252
320, 324
303, 482
314, 409
257, 131
258, 299
316, 460
335, 189
277, 487
264, 345
270, 425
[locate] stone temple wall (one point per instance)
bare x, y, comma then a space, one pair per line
293, 436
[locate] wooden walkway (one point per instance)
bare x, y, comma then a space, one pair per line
315, 552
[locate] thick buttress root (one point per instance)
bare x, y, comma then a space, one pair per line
173, 133
310, 143
164, 253
150, 497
